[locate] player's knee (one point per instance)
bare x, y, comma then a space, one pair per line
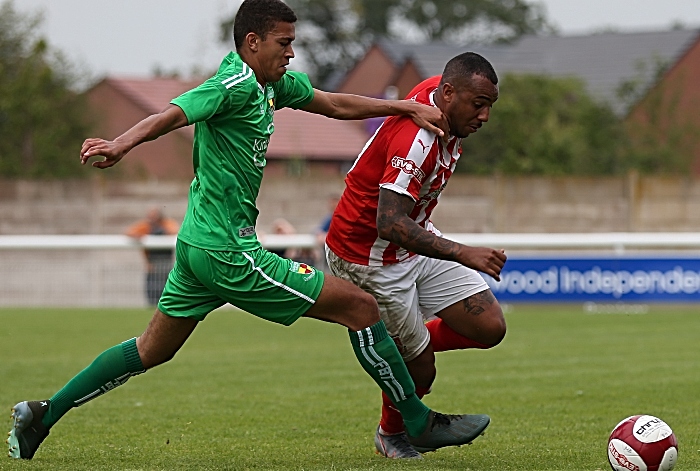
495, 336
365, 311
495, 331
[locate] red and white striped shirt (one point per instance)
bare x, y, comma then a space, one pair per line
400, 157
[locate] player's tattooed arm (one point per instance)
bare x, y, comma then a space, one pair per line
395, 225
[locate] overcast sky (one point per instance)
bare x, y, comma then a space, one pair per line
132, 37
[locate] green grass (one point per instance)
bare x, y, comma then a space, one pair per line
247, 394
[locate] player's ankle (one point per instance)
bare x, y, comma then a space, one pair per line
418, 425
389, 430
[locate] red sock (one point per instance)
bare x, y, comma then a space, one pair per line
443, 338
391, 421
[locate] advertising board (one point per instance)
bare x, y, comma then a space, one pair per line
623, 279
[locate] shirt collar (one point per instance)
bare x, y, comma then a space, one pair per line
431, 97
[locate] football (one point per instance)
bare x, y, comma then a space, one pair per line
642, 443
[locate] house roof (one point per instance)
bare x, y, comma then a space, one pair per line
602, 60
298, 134
314, 137
152, 95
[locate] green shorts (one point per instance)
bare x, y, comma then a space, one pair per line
259, 282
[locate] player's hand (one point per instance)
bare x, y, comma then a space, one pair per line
484, 259
430, 118
111, 151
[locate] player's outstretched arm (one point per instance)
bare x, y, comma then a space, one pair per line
346, 106
151, 128
395, 225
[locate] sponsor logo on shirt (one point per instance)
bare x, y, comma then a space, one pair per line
271, 101
259, 150
432, 195
407, 166
246, 231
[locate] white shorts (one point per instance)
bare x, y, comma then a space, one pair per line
410, 292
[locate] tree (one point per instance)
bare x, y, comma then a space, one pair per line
41, 116
661, 133
545, 126
335, 33
649, 72
660, 137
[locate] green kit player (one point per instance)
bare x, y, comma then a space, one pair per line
218, 257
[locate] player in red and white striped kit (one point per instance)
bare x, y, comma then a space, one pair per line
381, 237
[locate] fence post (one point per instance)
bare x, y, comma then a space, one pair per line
633, 200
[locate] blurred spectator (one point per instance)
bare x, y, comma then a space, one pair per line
159, 262
284, 227
322, 230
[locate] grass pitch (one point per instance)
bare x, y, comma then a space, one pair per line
247, 394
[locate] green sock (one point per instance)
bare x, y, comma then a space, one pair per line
379, 356
110, 369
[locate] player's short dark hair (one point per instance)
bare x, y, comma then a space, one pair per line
465, 65
260, 17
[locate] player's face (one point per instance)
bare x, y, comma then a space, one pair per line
275, 51
468, 104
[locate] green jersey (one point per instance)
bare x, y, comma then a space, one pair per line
233, 115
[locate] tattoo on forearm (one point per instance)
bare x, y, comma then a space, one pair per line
479, 302
416, 239
394, 210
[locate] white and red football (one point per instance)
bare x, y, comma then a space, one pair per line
642, 443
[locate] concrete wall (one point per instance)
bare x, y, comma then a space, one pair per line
469, 204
